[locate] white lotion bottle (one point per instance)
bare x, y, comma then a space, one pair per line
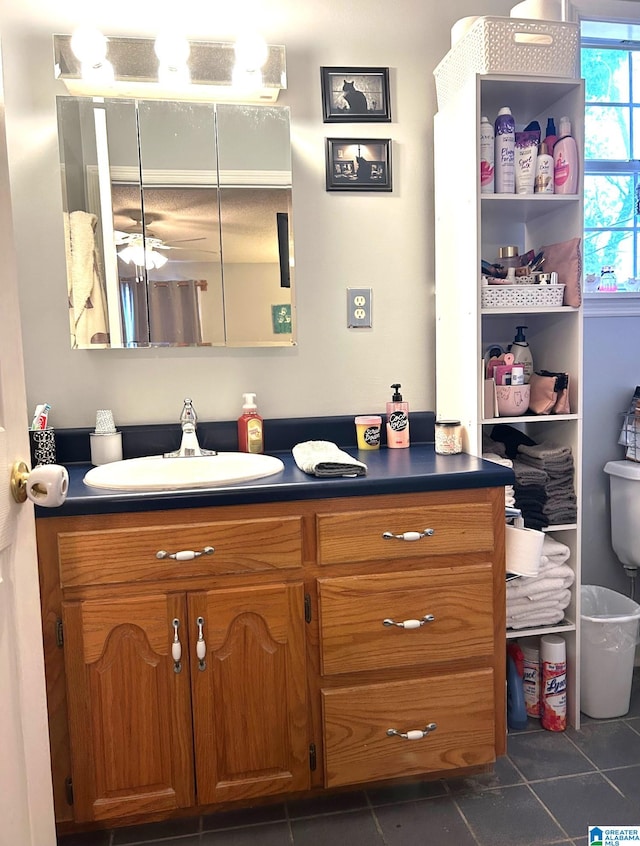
565, 160
522, 352
544, 171
505, 152
487, 157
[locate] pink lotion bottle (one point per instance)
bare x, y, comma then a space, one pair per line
397, 420
565, 161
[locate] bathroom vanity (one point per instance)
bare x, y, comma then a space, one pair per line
213, 649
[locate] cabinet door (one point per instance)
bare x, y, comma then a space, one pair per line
129, 711
249, 692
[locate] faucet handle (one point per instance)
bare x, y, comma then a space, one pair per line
188, 413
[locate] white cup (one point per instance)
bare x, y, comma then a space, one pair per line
48, 485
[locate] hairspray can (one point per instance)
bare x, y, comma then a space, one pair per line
505, 155
487, 157
554, 682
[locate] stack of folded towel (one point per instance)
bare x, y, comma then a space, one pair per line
557, 463
509, 495
541, 600
530, 491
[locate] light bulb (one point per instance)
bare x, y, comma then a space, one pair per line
158, 259
251, 51
89, 45
172, 49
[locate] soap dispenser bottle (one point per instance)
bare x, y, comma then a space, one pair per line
522, 352
397, 420
250, 426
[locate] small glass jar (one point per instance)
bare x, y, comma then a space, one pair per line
448, 437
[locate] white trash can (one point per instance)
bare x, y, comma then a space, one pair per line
609, 633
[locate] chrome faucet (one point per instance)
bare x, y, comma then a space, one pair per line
189, 445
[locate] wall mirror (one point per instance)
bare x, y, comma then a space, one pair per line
177, 223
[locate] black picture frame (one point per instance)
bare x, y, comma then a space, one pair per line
358, 164
355, 95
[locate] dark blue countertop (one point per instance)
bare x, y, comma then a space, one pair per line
412, 470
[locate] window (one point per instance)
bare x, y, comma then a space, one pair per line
611, 69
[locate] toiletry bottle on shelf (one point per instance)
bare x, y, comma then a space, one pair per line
505, 143
397, 420
550, 136
487, 156
544, 171
250, 426
522, 352
565, 160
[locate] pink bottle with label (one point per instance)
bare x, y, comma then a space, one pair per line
565, 161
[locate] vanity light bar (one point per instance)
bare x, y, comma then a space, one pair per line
135, 72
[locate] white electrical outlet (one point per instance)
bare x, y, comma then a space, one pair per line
359, 308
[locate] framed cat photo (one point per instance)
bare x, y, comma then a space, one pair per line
355, 95
356, 164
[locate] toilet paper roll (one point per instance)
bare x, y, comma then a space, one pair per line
48, 485
523, 550
541, 10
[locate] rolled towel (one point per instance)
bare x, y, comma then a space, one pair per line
326, 459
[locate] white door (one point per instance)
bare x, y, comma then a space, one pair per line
26, 803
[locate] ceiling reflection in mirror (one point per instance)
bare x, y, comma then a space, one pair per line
177, 223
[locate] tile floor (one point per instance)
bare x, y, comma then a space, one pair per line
547, 790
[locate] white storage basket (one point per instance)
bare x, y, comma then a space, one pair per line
521, 296
509, 46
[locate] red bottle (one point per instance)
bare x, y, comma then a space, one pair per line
250, 427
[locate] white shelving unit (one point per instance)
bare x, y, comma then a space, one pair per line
471, 226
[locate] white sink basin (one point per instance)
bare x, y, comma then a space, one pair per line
155, 473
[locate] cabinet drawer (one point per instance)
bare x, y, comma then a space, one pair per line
352, 609
357, 719
359, 535
130, 555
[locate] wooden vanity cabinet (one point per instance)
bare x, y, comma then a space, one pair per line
287, 678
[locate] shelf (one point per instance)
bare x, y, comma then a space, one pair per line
530, 310
566, 626
561, 527
528, 418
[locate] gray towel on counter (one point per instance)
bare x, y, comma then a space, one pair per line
326, 459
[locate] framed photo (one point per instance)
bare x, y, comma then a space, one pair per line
355, 95
356, 164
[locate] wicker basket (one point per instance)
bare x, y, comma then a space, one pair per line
521, 296
509, 45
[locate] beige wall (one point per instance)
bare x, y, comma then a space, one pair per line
384, 241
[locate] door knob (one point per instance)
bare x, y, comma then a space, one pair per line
46, 485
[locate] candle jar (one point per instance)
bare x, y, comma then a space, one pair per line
448, 437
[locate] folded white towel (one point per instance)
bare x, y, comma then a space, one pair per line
554, 547
542, 618
531, 587
324, 458
523, 605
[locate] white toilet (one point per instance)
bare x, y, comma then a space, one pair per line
624, 477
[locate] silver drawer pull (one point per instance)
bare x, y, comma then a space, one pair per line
185, 554
410, 624
414, 734
408, 536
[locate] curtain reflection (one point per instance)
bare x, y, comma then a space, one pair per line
174, 312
